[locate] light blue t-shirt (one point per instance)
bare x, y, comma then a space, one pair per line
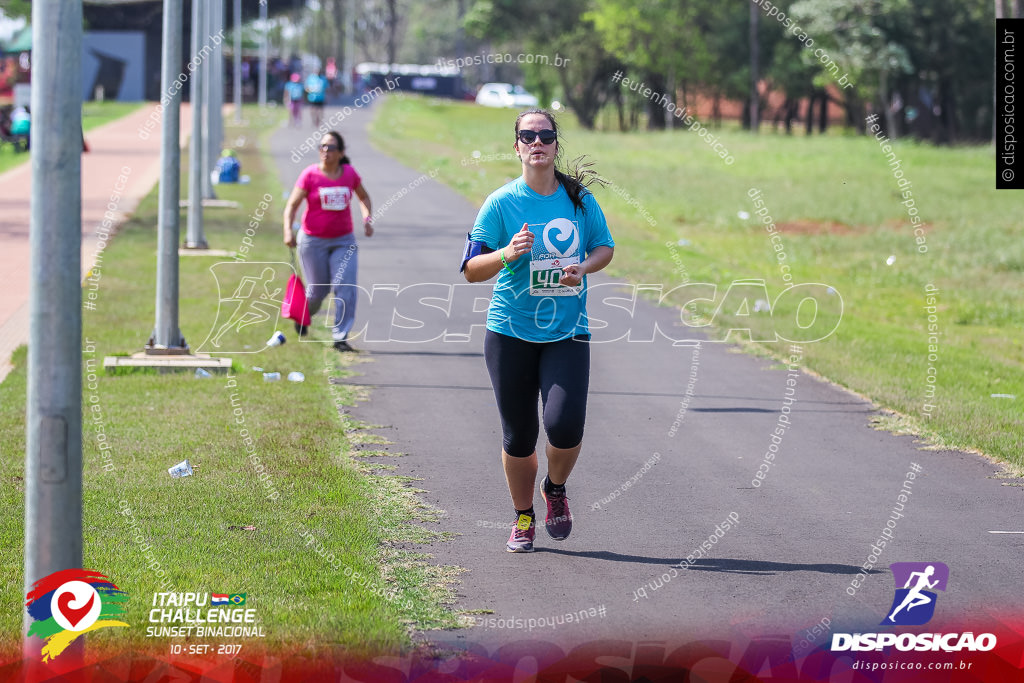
530, 304
295, 91
315, 86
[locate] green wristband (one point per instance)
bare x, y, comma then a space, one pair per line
505, 263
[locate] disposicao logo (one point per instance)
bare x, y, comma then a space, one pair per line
917, 579
68, 603
913, 605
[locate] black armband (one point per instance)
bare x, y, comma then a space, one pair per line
473, 249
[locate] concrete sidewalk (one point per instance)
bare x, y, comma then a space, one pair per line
119, 169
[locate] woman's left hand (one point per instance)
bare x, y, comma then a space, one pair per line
572, 275
368, 226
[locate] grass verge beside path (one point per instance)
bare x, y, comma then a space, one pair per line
281, 506
674, 210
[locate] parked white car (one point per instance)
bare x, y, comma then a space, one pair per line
505, 95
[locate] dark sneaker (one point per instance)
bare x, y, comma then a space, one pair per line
559, 519
523, 532
343, 346
301, 330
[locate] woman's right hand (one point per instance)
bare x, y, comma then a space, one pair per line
289, 236
522, 243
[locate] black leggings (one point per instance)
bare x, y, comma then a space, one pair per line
520, 369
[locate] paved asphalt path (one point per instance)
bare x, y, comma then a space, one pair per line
800, 539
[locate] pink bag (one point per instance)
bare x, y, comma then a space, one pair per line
294, 304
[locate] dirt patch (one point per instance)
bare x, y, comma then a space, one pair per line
907, 226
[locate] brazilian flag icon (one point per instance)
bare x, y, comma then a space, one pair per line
237, 598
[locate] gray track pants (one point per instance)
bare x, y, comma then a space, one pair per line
326, 264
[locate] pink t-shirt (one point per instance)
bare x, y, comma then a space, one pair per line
328, 201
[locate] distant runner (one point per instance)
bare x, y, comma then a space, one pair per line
316, 91
294, 93
540, 234
326, 241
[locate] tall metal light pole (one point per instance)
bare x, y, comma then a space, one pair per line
217, 103
206, 158
196, 239
350, 45
237, 21
167, 334
53, 424
263, 55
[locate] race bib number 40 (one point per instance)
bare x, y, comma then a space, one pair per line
334, 198
557, 246
545, 275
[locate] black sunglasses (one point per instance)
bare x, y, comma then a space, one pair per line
328, 148
547, 136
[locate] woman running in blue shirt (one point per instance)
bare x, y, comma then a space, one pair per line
541, 234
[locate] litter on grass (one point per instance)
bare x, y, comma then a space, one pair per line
182, 469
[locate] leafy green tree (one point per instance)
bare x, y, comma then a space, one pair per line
555, 29
16, 9
924, 64
666, 43
862, 40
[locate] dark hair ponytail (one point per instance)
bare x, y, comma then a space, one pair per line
580, 174
341, 146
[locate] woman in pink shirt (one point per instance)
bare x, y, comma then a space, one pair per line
327, 242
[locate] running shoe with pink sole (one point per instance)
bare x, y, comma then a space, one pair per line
559, 519
523, 533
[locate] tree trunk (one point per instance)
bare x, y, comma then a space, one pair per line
948, 130
855, 114
655, 109
823, 112
792, 114
580, 100
392, 31
621, 110
670, 119
809, 128
755, 15
885, 101
683, 104
779, 115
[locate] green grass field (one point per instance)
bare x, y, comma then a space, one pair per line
674, 209
96, 114
324, 545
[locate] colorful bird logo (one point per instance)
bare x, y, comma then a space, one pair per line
68, 603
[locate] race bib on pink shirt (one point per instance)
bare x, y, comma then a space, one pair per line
335, 198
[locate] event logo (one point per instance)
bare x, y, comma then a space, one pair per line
68, 603
914, 603
561, 237
249, 301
